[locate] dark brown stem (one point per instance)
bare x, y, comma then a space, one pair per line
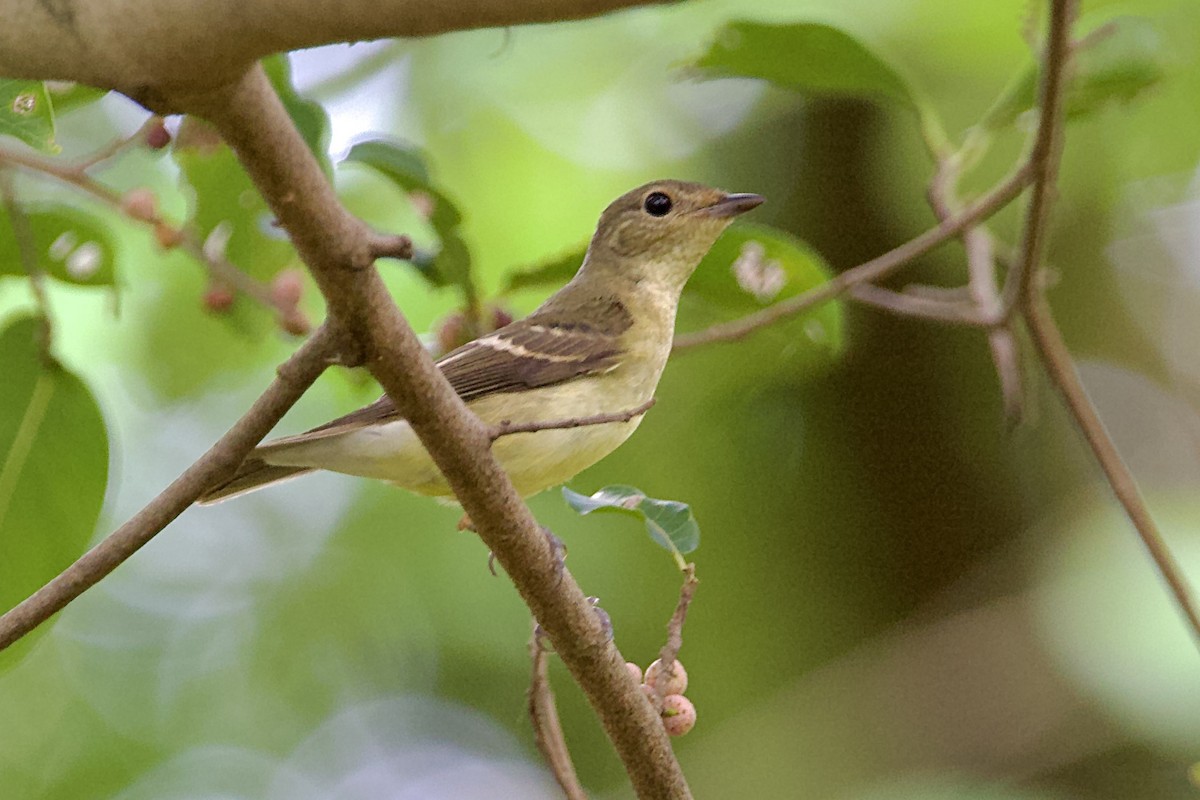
670, 650
547, 730
506, 428
295, 376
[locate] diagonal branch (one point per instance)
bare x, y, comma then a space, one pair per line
294, 378
339, 250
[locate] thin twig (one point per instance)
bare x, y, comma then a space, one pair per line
1044, 157
983, 289
547, 729
951, 312
873, 270
118, 145
1056, 359
670, 650
506, 428
295, 376
219, 269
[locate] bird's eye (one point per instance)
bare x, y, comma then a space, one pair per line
657, 204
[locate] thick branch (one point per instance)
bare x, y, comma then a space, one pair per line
873, 270
339, 251
151, 49
295, 376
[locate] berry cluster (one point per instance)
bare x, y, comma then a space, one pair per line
664, 688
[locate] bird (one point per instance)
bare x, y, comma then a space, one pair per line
596, 347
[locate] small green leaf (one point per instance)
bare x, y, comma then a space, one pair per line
810, 57
669, 523
53, 469
70, 244
1122, 59
555, 272
27, 114
404, 164
309, 116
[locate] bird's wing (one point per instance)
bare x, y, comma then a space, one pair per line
524, 355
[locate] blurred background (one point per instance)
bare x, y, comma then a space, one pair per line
901, 597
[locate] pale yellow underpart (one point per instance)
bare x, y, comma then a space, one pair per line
535, 461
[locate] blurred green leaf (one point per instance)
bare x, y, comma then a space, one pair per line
752, 266
810, 57
405, 165
71, 245
669, 523
309, 116
68, 96
27, 114
555, 272
53, 469
1121, 59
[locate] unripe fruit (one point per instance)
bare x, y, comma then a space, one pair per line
634, 670
678, 714
674, 681
140, 204
219, 298
157, 136
295, 323
287, 288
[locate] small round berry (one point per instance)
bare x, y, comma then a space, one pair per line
634, 670
451, 333
678, 714
157, 136
500, 317
287, 288
295, 323
219, 298
168, 237
140, 204
657, 204
674, 681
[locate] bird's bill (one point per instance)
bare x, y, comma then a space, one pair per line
733, 204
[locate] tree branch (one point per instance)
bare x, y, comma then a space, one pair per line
507, 428
294, 377
339, 251
547, 730
873, 270
153, 49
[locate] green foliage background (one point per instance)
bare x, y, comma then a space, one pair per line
899, 597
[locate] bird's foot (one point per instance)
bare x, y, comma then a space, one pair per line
465, 524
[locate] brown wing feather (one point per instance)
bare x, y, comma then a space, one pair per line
518, 356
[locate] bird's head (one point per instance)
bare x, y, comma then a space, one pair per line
663, 229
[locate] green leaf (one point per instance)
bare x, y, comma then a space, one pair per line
53, 469
404, 164
753, 266
555, 272
810, 57
669, 523
27, 114
309, 116
70, 244
1122, 59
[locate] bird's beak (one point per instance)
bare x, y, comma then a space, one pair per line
733, 204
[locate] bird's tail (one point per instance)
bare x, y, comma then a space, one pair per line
254, 473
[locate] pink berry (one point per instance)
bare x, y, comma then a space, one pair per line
157, 136
674, 681
295, 323
168, 237
219, 298
678, 714
140, 204
634, 670
287, 288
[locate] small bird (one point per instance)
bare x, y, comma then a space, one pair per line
597, 346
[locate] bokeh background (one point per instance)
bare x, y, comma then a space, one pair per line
901, 598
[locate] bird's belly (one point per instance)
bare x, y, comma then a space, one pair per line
534, 461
